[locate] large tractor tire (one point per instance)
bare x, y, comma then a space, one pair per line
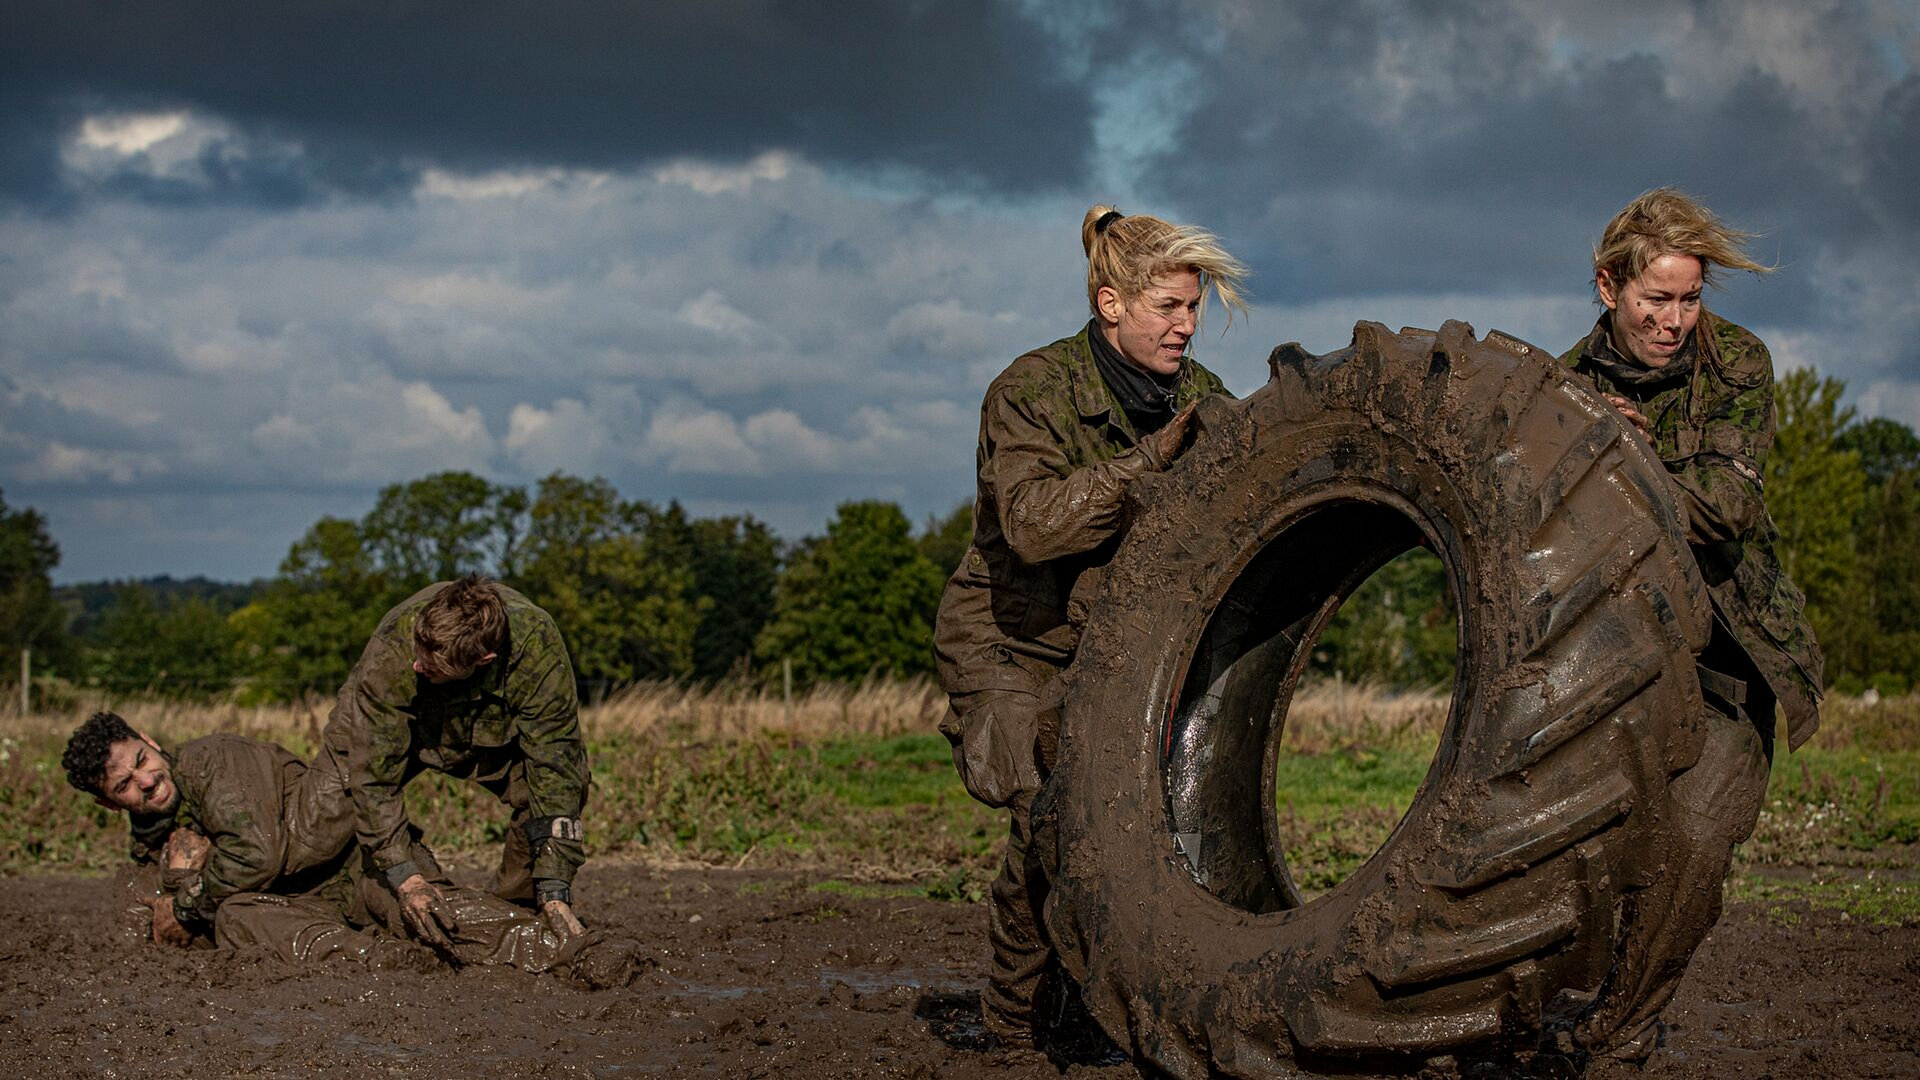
1497, 901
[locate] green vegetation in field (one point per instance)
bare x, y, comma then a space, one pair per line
1875, 900
676, 783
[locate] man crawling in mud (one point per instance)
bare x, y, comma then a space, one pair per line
471, 679
256, 850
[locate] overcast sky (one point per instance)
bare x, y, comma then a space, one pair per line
258, 260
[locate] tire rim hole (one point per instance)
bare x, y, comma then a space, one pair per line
1250, 797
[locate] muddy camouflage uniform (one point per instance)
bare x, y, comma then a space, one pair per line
513, 727
1710, 410
284, 874
1056, 454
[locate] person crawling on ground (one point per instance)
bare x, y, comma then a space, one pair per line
471, 679
251, 854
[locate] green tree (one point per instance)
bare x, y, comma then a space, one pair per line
858, 602
445, 525
946, 539
1889, 548
735, 563
1399, 628
622, 603
29, 617
306, 630
181, 647
1816, 491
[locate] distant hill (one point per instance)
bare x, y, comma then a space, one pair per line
87, 602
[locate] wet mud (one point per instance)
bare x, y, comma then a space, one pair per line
771, 974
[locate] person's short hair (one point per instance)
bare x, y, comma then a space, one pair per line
462, 623
1126, 252
1667, 221
85, 758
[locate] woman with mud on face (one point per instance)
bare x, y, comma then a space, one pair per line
1063, 431
1700, 389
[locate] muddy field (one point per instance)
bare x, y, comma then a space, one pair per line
765, 974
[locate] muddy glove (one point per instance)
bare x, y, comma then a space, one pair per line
187, 850
426, 912
166, 927
1166, 444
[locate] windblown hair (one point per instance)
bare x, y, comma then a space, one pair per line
85, 758
462, 623
1667, 221
1126, 252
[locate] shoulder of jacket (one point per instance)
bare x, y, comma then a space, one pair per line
1040, 372
1744, 358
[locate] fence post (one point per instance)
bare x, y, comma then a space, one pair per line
786, 687
26, 680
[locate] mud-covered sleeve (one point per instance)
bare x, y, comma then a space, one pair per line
1048, 509
379, 751
237, 808
554, 749
1720, 483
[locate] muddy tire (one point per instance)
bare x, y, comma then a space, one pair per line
1496, 901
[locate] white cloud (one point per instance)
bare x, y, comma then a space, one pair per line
710, 179
700, 441
58, 463
710, 311
505, 183
129, 134
486, 293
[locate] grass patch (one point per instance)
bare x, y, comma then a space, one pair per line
1875, 901
856, 784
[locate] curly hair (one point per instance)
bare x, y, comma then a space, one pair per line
1125, 252
85, 758
462, 623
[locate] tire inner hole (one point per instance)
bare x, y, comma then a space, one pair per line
1269, 814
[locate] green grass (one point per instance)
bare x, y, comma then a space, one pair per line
1840, 829
1876, 901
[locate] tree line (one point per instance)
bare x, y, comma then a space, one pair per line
647, 592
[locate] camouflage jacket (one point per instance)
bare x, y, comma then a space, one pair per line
272, 830
1055, 457
517, 713
1711, 414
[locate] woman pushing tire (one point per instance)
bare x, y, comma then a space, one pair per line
1504, 898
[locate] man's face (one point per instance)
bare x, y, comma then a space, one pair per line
138, 778
1152, 329
1654, 313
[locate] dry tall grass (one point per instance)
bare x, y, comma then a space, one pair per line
874, 708
1324, 716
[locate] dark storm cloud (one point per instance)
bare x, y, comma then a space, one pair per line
961, 93
1356, 149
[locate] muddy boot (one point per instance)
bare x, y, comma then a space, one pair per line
604, 962
954, 1018
392, 954
1066, 1032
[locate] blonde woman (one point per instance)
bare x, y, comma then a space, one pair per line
1063, 431
1700, 388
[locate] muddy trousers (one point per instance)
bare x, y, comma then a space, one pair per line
1022, 955
1714, 804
